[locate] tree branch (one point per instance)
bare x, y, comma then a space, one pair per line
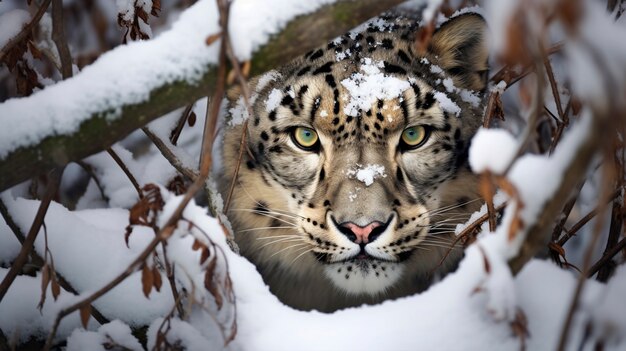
99, 132
27, 246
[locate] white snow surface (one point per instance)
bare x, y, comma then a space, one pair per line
476, 302
11, 23
121, 76
370, 86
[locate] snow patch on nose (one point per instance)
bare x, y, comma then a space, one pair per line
367, 174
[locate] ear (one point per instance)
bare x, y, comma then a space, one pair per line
460, 48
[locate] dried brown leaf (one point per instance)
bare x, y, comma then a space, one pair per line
209, 283
45, 281
139, 12
197, 245
85, 313
485, 259
212, 38
204, 255
246, 67
422, 39
191, 120
147, 280
519, 327
157, 280
156, 8
34, 50
55, 287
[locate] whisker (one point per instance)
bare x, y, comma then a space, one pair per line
281, 241
300, 255
273, 212
287, 248
265, 228
277, 236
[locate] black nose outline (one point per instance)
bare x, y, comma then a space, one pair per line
376, 232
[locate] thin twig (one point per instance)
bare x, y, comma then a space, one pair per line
169, 155
181, 124
533, 116
470, 228
26, 31
126, 171
606, 257
87, 168
581, 223
58, 36
615, 232
169, 271
245, 92
54, 180
602, 204
168, 229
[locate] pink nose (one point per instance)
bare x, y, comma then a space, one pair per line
361, 233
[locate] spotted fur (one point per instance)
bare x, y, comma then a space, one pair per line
289, 204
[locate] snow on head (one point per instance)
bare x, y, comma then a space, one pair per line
446, 104
367, 174
370, 86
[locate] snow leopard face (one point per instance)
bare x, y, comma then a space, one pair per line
355, 172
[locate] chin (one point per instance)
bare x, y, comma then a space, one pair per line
364, 276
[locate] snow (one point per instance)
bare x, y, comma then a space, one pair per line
498, 14
121, 76
367, 174
446, 104
492, 150
549, 169
432, 8
370, 86
115, 333
596, 67
11, 23
273, 100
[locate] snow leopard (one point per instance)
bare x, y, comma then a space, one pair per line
354, 172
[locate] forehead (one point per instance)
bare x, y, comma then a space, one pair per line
349, 95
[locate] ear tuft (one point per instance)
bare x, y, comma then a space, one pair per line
460, 48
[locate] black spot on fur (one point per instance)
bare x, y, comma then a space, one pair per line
303, 71
276, 149
314, 108
264, 136
403, 56
391, 68
387, 43
330, 80
322, 175
399, 175
325, 68
317, 54
261, 147
380, 116
287, 99
272, 115
429, 100
250, 164
336, 120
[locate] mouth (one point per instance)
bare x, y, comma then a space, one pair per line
362, 257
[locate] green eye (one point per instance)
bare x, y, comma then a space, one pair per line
414, 137
305, 138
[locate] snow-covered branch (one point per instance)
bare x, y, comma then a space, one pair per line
121, 92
